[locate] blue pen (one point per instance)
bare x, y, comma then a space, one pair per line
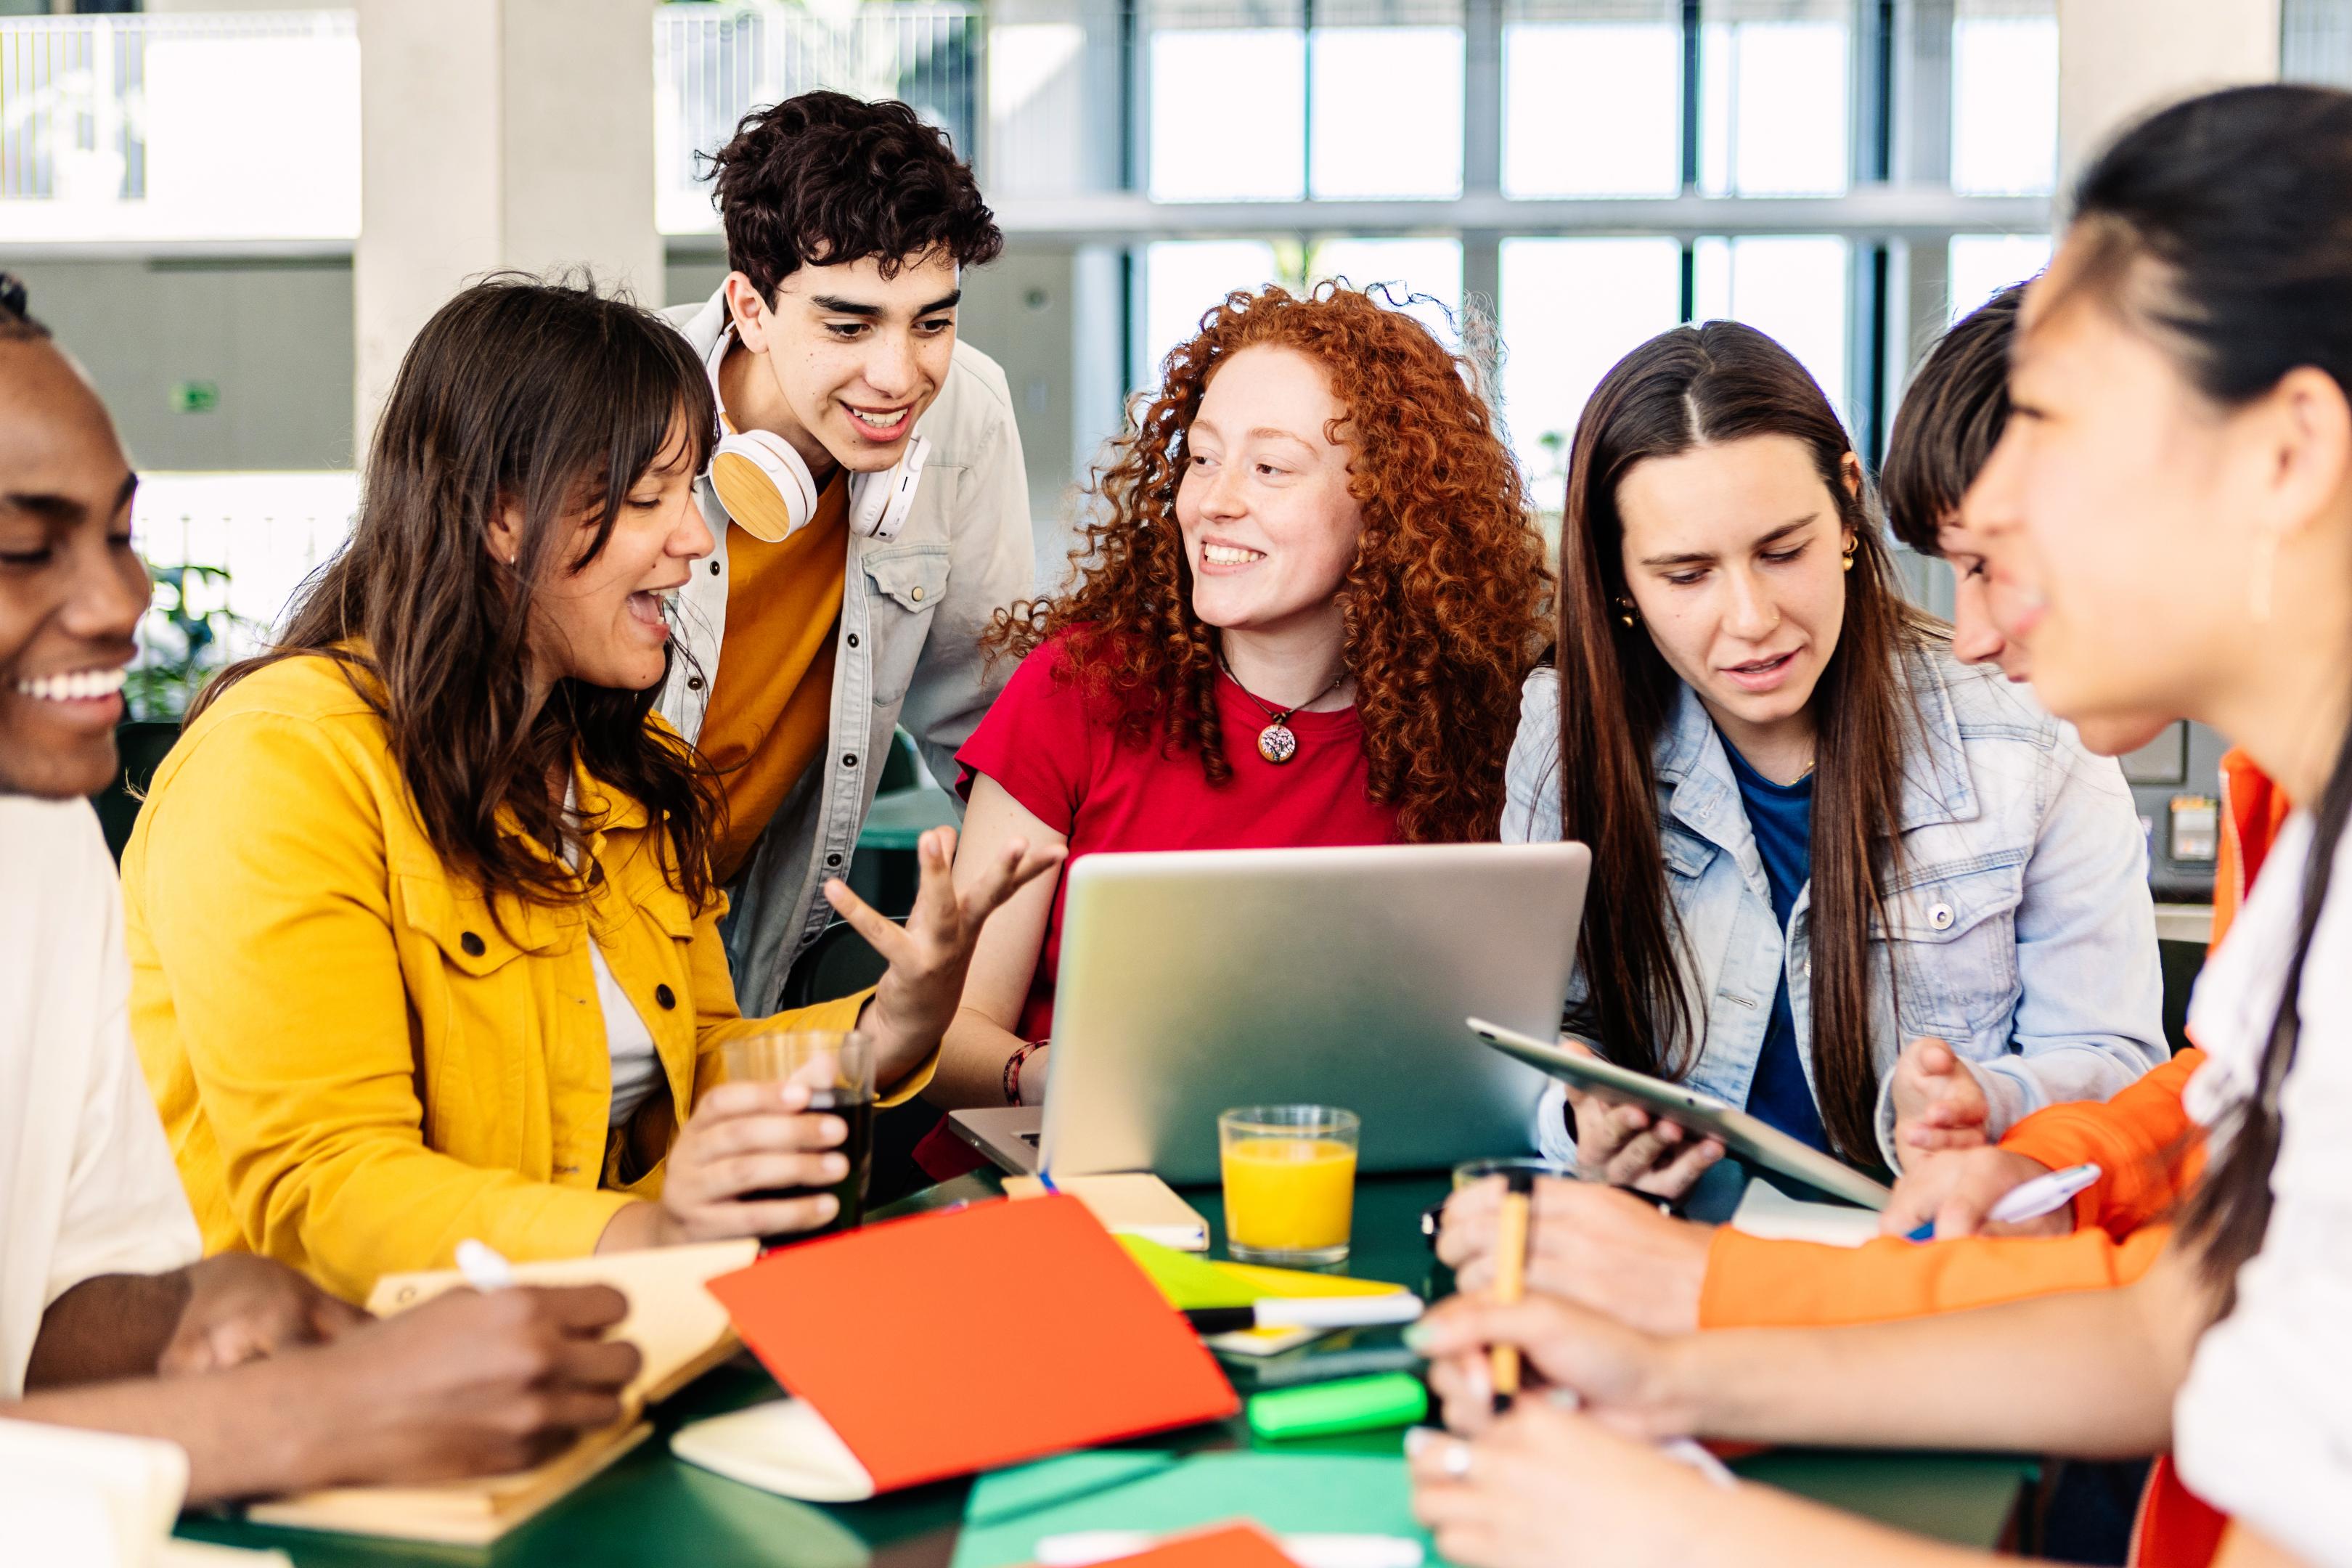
2031, 1200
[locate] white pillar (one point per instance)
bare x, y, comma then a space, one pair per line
496, 134
2118, 59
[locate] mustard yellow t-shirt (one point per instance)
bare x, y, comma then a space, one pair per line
772, 701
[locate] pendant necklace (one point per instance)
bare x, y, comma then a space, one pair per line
1276, 743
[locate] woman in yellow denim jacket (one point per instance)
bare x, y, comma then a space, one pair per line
397, 879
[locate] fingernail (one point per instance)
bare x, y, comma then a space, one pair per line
1418, 1337
1416, 1438
836, 1166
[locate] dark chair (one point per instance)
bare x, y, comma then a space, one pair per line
142, 744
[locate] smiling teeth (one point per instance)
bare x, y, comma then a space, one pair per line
81, 686
1230, 555
895, 419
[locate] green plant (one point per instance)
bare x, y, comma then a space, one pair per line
181, 645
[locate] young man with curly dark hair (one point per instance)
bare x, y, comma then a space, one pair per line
869, 499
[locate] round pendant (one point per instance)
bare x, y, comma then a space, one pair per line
1276, 743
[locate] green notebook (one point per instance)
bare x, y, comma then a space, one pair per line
1011, 1511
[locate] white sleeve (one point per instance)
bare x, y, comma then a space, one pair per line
2262, 1427
125, 1211
1553, 1140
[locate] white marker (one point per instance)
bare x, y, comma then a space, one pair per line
2043, 1194
483, 1267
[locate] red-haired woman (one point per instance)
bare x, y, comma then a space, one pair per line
1305, 604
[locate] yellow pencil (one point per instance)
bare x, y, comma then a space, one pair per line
1511, 1235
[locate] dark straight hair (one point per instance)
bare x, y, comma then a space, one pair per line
1697, 387
2222, 228
556, 400
1949, 422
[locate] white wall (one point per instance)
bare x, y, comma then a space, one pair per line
2117, 59
496, 134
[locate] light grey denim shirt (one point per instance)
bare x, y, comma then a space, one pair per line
907, 652
2021, 931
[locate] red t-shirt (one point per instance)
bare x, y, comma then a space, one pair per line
1059, 755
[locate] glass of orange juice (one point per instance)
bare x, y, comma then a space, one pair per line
1290, 1183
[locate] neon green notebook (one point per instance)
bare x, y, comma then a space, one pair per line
1011, 1511
1191, 1282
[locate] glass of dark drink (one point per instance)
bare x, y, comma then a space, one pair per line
839, 1069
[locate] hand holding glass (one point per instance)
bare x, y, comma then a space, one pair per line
838, 1071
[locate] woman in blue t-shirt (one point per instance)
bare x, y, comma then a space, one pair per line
1817, 837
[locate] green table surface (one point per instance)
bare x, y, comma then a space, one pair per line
650, 1508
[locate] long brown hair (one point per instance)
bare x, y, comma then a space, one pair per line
1695, 387
2216, 227
551, 398
1445, 604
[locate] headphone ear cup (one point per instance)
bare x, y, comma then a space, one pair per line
763, 484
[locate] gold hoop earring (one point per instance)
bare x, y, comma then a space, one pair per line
1849, 554
1625, 616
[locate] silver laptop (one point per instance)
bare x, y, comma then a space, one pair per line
1195, 981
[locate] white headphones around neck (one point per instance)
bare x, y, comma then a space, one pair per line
768, 491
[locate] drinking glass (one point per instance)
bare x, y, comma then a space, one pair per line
1290, 1183
839, 1069
1470, 1172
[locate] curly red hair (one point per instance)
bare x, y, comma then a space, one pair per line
1445, 606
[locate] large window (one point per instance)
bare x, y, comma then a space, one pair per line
1570, 308
1773, 84
1791, 286
1592, 104
2004, 97
1387, 111
1184, 278
1982, 265
1202, 147
1249, 103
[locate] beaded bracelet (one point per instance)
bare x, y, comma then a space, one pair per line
1012, 1071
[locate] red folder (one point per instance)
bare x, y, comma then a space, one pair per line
978, 1337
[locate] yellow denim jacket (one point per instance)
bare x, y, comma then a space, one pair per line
358, 1065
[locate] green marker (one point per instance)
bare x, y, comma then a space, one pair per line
1349, 1405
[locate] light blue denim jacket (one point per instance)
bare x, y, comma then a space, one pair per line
2024, 930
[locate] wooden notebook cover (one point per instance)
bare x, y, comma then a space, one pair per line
973, 1337
673, 1319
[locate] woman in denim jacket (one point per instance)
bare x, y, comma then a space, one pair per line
1958, 874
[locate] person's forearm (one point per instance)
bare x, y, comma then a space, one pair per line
633, 1228
2091, 1374
113, 1326
262, 1428
972, 1062
1761, 1527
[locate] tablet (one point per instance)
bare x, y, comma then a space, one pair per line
1742, 1134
